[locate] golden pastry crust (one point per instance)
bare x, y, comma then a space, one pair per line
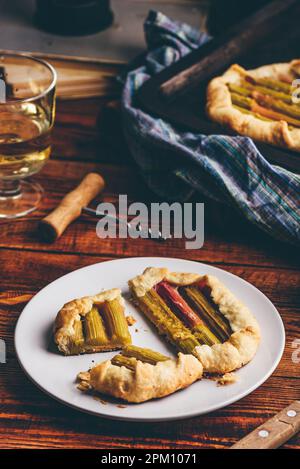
145, 382
220, 108
241, 346
153, 275
72, 312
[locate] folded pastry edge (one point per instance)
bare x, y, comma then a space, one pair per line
145, 382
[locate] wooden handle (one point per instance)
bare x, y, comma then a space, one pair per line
275, 431
70, 208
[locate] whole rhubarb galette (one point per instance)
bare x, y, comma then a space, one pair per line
199, 316
260, 103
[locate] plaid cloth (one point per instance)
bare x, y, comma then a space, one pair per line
176, 164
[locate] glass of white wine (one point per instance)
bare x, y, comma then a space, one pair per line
27, 110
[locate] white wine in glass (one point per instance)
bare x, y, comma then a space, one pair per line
27, 109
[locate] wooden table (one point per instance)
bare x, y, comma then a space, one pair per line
29, 418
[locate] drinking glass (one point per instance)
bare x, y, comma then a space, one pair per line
27, 110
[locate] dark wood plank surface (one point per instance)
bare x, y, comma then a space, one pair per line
87, 137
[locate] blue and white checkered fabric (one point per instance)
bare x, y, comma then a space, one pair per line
176, 164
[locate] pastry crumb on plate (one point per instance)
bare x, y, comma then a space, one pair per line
227, 378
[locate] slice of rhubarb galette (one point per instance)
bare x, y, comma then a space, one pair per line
199, 316
92, 324
139, 374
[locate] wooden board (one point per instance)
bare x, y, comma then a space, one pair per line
178, 92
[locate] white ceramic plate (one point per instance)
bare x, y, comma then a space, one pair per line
55, 374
